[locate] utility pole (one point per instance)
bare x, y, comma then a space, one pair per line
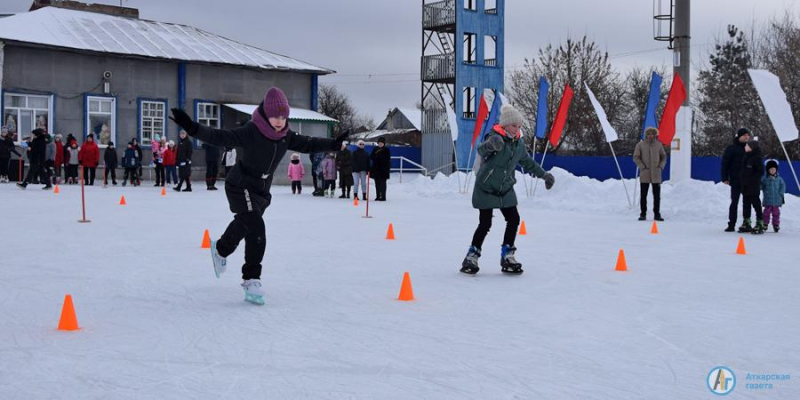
682, 45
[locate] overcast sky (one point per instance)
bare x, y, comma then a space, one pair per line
374, 45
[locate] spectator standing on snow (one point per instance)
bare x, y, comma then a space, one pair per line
774, 189
37, 157
59, 161
89, 157
650, 157
139, 160
7, 148
184, 160
329, 174
50, 158
751, 173
381, 168
501, 152
316, 173
361, 165
171, 171
71, 160
130, 161
296, 173
111, 161
731, 168
212, 165
159, 147
344, 163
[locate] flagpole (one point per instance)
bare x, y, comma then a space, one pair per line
536, 180
789, 160
525, 177
458, 173
622, 178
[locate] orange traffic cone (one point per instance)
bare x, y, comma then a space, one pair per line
522, 230
68, 320
206, 241
163, 192
55, 190
654, 229
406, 293
390, 232
741, 250
122, 201
621, 264
355, 201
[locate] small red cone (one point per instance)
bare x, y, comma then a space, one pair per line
68, 321
163, 192
206, 241
122, 201
654, 229
741, 250
621, 264
522, 230
390, 232
406, 293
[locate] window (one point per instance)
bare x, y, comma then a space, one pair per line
101, 119
490, 6
208, 114
490, 51
470, 48
23, 113
151, 120
471, 5
468, 102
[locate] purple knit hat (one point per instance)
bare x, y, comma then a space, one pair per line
274, 105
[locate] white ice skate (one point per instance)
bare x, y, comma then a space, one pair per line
220, 263
253, 293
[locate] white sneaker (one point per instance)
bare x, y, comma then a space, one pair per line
220, 263
253, 292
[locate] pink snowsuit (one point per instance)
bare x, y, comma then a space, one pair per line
296, 172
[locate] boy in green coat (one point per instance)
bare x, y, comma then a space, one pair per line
500, 154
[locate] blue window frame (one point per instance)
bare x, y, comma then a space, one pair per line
23, 112
100, 118
208, 113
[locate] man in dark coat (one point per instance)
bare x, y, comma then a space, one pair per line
36, 156
750, 175
344, 163
360, 168
731, 167
381, 168
184, 160
212, 165
261, 144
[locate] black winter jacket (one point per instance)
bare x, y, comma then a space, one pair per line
110, 158
184, 151
360, 161
212, 153
732, 162
38, 150
381, 163
7, 147
751, 172
257, 159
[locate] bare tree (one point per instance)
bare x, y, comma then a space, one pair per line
336, 105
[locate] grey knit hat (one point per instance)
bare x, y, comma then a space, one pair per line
510, 116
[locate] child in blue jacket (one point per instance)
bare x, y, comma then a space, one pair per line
774, 189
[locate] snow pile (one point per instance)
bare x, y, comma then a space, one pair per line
697, 201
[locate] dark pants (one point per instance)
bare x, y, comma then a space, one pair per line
250, 227
130, 173
89, 174
656, 197
160, 175
316, 182
485, 223
185, 173
72, 172
110, 171
212, 170
330, 184
736, 193
380, 189
753, 201
172, 173
4, 166
57, 172
297, 186
38, 170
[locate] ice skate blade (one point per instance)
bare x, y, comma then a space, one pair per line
254, 299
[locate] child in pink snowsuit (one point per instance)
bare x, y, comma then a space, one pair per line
296, 173
329, 174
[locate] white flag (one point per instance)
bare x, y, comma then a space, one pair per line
611, 134
451, 118
772, 95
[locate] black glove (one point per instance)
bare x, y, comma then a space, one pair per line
184, 121
549, 180
337, 143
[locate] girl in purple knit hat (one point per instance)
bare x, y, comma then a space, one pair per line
263, 141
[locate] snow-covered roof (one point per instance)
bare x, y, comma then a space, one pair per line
413, 116
294, 113
90, 31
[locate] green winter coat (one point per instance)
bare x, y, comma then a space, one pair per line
494, 184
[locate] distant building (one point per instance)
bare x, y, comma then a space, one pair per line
400, 128
71, 67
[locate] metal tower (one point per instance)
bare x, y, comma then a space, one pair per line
462, 54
